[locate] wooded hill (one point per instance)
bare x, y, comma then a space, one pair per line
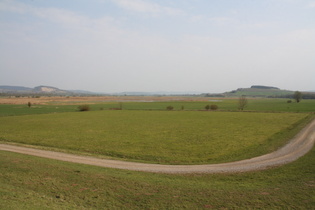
263, 91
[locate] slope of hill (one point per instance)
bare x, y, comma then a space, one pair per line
48, 89
256, 91
36, 90
260, 91
253, 91
6, 88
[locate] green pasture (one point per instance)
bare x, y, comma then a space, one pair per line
280, 105
254, 104
17, 109
28, 182
169, 137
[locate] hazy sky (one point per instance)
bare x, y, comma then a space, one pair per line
162, 45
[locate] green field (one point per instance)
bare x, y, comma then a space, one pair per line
224, 104
36, 183
157, 136
16, 110
169, 137
254, 104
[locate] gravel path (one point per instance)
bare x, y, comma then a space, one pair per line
297, 147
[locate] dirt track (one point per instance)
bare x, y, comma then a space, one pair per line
297, 147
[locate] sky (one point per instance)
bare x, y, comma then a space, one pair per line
206, 46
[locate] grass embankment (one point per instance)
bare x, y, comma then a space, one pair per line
188, 137
36, 183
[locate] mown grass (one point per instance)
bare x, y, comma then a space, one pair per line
172, 137
36, 183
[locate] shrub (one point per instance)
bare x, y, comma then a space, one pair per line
242, 102
169, 108
289, 101
207, 107
213, 107
83, 108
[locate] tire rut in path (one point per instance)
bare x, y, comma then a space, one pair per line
295, 148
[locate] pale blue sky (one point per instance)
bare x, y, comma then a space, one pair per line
166, 45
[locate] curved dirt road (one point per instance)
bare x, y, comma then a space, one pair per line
297, 147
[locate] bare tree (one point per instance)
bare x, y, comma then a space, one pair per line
297, 96
242, 102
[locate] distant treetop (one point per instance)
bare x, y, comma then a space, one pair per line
263, 87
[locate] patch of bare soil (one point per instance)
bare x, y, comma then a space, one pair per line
94, 99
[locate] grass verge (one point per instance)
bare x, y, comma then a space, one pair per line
36, 183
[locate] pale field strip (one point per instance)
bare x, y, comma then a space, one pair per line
95, 99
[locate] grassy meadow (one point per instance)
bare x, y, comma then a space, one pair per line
169, 137
145, 132
254, 104
28, 182
224, 104
18, 109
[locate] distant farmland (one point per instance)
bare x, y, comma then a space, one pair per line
147, 132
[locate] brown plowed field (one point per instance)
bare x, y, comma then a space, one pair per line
94, 99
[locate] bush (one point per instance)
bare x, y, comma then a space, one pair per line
207, 107
169, 108
289, 101
83, 108
213, 107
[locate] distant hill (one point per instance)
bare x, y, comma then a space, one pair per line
253, 91
39, 90
257, 91
263, 87
5, 88
260, 91
49, 89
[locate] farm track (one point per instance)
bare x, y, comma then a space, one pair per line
294, 149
